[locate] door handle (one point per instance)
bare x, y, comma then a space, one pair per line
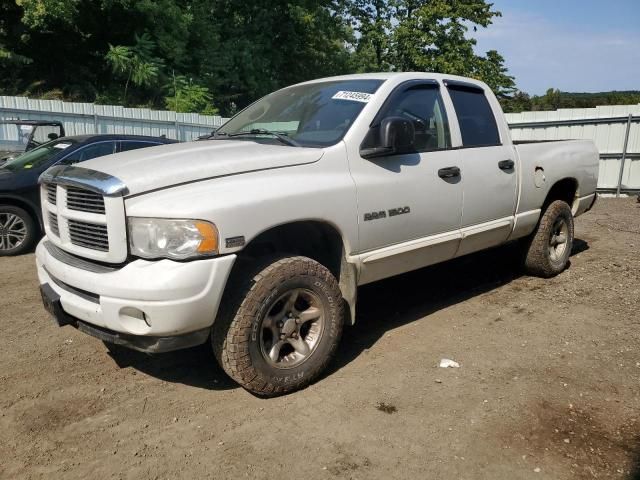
449, 172
506, 165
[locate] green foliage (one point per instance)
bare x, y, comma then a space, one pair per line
554, 99
46, 13
9, 57
232, 52
428, 36
190, 97
518, 102
491, 70
267, 44
8, 20
136, 63
372, 19
190, 55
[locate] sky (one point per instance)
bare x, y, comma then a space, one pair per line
572, 45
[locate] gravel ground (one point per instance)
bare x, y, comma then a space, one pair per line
548, 384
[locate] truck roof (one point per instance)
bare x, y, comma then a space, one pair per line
399, 76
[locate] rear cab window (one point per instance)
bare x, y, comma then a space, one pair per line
477, 122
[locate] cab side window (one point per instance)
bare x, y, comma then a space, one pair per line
87, 153
422, 105
475, 117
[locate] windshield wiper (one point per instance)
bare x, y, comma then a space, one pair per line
261, 131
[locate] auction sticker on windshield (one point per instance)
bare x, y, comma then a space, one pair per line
353, 96
62, 145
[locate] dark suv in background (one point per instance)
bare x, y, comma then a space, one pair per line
20, 212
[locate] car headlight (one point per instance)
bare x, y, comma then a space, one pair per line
174, 239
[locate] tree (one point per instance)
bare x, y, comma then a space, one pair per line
426, 35
136, 63
189, 97
491, 70
550, 100
12, 62
226, 52
372, 19
267, 44
518, 102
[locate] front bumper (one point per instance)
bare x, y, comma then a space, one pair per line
142, 343
154, 299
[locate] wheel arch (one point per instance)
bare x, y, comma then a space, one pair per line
565, 189
319, 240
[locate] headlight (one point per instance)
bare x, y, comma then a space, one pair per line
175, 239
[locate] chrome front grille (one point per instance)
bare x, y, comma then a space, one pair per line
52, 193
85, 200
88, 218
53, 224
88, 235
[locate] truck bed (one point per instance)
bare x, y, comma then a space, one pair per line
543, 161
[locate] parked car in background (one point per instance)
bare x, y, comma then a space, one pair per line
20, 212
19, 136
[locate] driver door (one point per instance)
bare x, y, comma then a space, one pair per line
409, 212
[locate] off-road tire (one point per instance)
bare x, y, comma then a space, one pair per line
31, 234
236, 336
538, 259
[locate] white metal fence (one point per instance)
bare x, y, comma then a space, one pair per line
83, 118
614, 129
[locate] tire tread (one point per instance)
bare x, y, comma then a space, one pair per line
250, 283
536, 260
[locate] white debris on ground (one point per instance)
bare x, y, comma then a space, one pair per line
448, 363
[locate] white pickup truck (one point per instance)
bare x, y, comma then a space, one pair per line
257, 239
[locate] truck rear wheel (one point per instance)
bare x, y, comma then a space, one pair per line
280, 326
547, 250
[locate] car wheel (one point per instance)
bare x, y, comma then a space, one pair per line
281, 325
17, 230
547, 251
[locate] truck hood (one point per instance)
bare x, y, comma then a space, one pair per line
165, 166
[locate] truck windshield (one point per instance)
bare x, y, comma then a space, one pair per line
313, 115
38, 157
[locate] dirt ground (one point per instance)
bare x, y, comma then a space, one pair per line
548, 385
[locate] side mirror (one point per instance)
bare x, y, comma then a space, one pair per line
396, 135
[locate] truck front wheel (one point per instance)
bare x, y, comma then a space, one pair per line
279, 326
547, 250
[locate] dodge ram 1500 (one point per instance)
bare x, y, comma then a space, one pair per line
256, 239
